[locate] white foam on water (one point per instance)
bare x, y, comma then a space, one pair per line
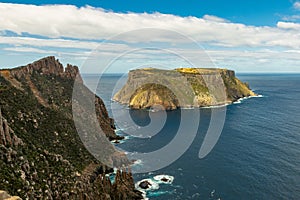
138, 162
155, 182
187, 108
212, 193
121, 141
226, 104
258, 96
118, 130
159, 178
217, 106
127, 137
153, 185
237, 102
144, 194
240, 100
114, 141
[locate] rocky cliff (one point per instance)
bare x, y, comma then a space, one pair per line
42, 156
183, 87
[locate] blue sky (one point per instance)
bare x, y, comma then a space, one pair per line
254, 12
247, 36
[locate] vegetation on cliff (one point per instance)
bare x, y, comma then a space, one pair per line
42, 156
182, 87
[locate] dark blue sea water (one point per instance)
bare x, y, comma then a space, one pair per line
256, 157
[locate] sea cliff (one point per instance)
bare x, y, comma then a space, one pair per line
182, 87
42, 156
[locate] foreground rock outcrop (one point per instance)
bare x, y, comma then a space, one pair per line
5, 196
41, 153
183, 87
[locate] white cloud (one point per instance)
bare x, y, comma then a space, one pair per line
46, 52
214, 19
61, 43
296, 5
58, 21
288, 25
29, 50
291, 18
85, 26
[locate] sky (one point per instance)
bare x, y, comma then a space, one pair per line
116, 36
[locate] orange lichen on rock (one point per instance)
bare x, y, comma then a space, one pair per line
5, 73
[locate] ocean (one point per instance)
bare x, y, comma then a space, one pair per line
256, 157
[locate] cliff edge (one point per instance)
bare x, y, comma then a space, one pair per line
182, 87
42, 155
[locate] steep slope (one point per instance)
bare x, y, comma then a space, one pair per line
42, 156
183, 87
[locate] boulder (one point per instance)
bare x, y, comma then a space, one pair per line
145, 185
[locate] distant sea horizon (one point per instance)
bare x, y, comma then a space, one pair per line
236, 73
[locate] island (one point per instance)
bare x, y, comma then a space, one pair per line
151, 88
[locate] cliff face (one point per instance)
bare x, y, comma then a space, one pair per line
42, 156
7, 135
51, 84
183, 87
